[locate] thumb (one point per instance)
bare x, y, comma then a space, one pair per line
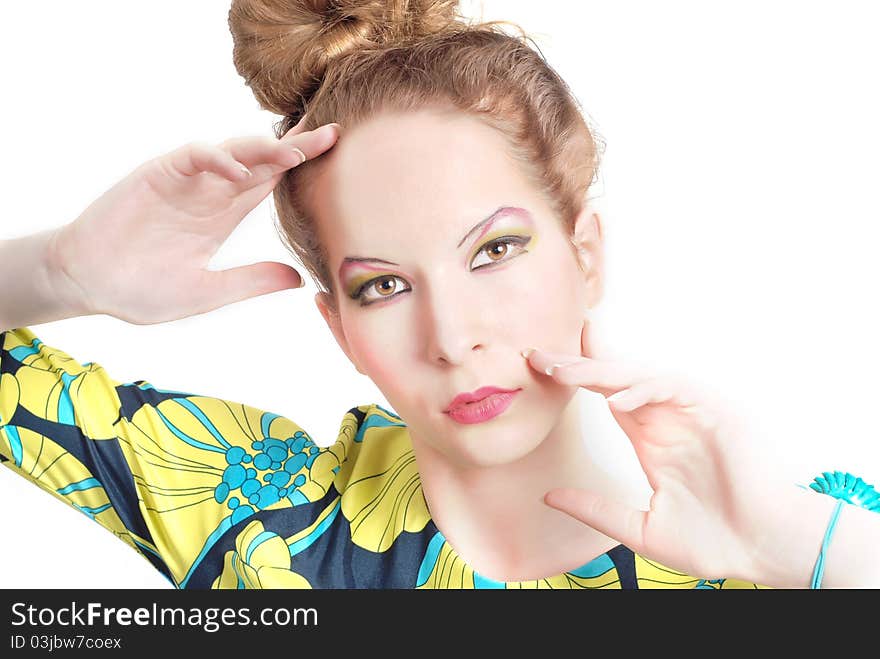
247, 281
607, 516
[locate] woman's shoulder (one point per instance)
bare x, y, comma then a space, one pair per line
377, 477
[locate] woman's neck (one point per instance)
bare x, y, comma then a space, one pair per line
495, 517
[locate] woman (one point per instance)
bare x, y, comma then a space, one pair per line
471, 132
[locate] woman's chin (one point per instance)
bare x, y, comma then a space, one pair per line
497, 453
488, 444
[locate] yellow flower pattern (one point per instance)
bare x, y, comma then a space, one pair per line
260, 560
382, 493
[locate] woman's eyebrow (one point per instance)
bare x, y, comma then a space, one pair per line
498, 214
484, 224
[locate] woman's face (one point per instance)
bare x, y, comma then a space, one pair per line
447, 263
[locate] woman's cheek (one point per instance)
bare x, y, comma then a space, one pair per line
378, 358
565, 308
557, 309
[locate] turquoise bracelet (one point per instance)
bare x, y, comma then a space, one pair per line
816, 582
848, 489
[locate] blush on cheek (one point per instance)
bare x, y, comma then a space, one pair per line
377, 366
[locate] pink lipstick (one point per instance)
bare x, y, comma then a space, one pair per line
481, 405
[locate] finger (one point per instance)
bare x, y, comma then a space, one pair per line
276, 150
606, 515
706, 414
298, 127
642, 393
257, 151
314, 142
197, 157
232, 159
247, 281
267, 157
602, 376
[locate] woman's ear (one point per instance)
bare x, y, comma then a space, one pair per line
587, 240
323, 302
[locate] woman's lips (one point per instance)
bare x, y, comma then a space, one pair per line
484, 409
474, 396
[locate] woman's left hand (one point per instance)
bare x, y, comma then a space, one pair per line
709, 486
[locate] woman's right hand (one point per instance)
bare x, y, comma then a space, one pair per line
140, 250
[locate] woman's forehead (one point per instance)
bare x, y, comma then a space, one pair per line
416, 176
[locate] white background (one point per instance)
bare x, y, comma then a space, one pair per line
738, 190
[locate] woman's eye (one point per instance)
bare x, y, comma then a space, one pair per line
388, 286
384, 287
498, 250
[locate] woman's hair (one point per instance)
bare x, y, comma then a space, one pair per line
345, 61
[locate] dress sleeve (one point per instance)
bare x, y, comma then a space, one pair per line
167, 472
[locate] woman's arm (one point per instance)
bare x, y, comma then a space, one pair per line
35, 291
140, 251
167, 472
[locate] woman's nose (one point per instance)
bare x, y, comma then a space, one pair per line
452, 326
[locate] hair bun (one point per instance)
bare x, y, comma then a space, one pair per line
282, 48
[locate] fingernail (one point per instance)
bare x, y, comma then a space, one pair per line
301, 155
329, 128
617, 396
245, 170
553, 367
527, 352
